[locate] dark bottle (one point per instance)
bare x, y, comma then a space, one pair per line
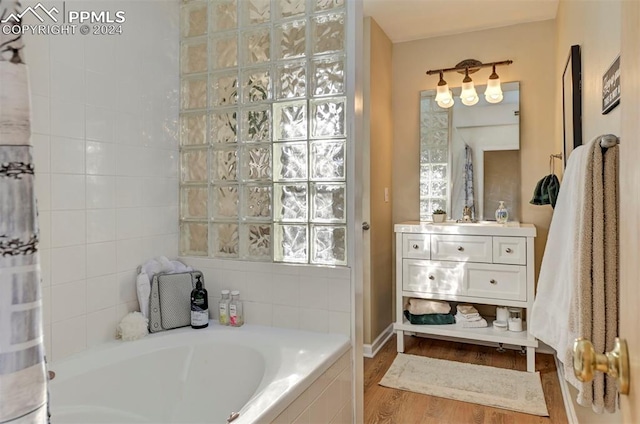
199, 305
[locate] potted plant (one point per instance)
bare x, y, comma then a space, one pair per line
439, 215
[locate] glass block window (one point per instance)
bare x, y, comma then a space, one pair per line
263, 130
434, 157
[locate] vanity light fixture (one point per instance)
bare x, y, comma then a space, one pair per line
468, 94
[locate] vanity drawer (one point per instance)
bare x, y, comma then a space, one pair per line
507, 282
510, 250
416, 246
461, 248
432, 277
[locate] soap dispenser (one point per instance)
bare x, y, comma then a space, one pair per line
502, 214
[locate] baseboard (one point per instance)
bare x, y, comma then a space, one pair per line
572, 418
371, 350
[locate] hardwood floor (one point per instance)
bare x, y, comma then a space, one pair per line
392, 406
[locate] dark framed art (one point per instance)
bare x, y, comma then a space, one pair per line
572, 102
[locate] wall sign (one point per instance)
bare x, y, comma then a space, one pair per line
611, 87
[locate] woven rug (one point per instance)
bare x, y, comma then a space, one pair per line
497, 387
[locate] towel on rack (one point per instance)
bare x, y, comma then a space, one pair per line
578, 282
546, 191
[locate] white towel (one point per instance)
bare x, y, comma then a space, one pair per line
465, 323
424, 306
146, 273
471, 317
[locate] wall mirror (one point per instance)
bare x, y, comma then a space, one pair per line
469, 155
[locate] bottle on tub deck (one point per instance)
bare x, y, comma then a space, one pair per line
236, 315
223, 308
199, 305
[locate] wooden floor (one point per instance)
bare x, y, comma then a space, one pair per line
392, 406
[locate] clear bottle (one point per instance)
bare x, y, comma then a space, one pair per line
236, 314
223, 308
199, 305
502, 214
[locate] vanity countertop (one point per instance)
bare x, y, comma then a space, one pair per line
467, 228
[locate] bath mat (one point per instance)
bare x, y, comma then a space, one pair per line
497, 387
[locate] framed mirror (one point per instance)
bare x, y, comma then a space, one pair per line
469, 155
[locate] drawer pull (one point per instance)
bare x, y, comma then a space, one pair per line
431, 277
460, 248
492, 281
415, 246
508, 250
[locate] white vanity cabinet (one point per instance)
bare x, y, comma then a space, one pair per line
482, 263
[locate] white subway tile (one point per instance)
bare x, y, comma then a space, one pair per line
102, 292
101, 326
124, 308
41, 152
40, 114
67, 191
68, 228
68, 264
100, 55
42, 186
128, 223
67, 82
313, 292
129, 160
128, 192
259, 287
68, 300
100, 123
100, 89
286, 289
286, 316
340, 323
68, 337
101, 259
68, 49
67, 119
67, 155
127, 286
46, 332
129, 254
314, 320
257, 313
101, 192
339, 292
128, 128
101, 225
101, 158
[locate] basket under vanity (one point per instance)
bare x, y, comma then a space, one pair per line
478, 263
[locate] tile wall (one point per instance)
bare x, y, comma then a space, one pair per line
303, 297
106, 154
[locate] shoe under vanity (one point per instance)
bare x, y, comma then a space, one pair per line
481, 263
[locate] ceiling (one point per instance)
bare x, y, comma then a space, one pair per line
406, 20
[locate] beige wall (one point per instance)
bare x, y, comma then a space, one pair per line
595, 26
378, 291
532, 49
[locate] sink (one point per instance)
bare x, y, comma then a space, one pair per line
482, 223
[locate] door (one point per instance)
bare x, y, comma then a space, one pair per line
630, 202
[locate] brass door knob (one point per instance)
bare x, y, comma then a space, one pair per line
615, 363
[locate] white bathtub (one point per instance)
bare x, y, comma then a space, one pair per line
192, 376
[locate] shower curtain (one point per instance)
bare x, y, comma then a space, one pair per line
23, 382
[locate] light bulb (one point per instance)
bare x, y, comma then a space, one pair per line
493, 93
443, 98
468, 94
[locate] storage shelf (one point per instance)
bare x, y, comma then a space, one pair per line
466, 299
488, 334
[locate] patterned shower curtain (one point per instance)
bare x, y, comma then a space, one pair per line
23, 383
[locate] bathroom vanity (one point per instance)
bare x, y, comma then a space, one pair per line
481, 263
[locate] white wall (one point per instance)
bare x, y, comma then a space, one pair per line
104, 129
